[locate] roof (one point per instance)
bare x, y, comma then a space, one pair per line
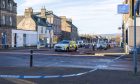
39, 21
48, 13
73, 26
19, 19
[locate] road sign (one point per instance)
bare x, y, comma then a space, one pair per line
123, 9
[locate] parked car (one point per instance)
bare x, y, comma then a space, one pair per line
66, 45
101, 45
80, 43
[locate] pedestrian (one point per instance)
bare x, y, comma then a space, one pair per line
93, 47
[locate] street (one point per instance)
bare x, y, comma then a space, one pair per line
21, 58
69, 42
64, 67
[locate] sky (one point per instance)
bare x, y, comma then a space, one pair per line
90, 16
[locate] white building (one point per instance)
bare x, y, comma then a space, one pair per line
23, 38
31, 22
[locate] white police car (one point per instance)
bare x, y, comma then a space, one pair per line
66, 45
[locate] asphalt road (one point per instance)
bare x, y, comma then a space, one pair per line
108, 69
19, 58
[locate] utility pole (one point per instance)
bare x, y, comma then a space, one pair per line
38, 41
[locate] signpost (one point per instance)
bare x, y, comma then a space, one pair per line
124, 9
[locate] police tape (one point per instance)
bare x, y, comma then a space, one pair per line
52, 76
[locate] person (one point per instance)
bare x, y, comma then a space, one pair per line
93, 46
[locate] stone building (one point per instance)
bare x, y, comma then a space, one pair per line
31, 22
66, 28
69, 30
54, 21
8, 12
128, 27
74, 33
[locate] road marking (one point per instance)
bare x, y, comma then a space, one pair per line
61, 76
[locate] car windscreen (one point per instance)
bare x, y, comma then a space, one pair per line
64, 42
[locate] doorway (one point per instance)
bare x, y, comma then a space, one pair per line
4, 40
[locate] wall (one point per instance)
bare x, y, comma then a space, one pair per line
31, 38
27, 24
64, 25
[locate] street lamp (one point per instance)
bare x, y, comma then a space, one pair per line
38, 42
50, 33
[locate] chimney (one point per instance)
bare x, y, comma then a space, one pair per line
63, 18
28, 12
43, 12
69, 20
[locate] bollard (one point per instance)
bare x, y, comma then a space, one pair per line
31, 58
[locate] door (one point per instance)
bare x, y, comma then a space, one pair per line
4, 39
24, 40
15, 40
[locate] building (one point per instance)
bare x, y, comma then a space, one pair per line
63, 29
66, 28
31, 22
54, 21
24, 38
8, 12
69, 30
74, 33
128, 27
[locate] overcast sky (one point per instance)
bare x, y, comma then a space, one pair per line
90, 16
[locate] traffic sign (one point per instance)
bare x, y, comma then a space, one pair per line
123, 9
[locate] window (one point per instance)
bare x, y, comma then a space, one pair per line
11, 7
8, 4
10, 21
3, 20
3, 3
42, 30
38, 19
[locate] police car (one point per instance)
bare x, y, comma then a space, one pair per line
66, 45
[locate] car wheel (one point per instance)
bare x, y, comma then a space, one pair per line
75, 49
105, 48
55, 50
67, 50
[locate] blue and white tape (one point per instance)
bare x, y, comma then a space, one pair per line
53, 76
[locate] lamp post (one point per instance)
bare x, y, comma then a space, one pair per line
50, 34
50, 38
38, 42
